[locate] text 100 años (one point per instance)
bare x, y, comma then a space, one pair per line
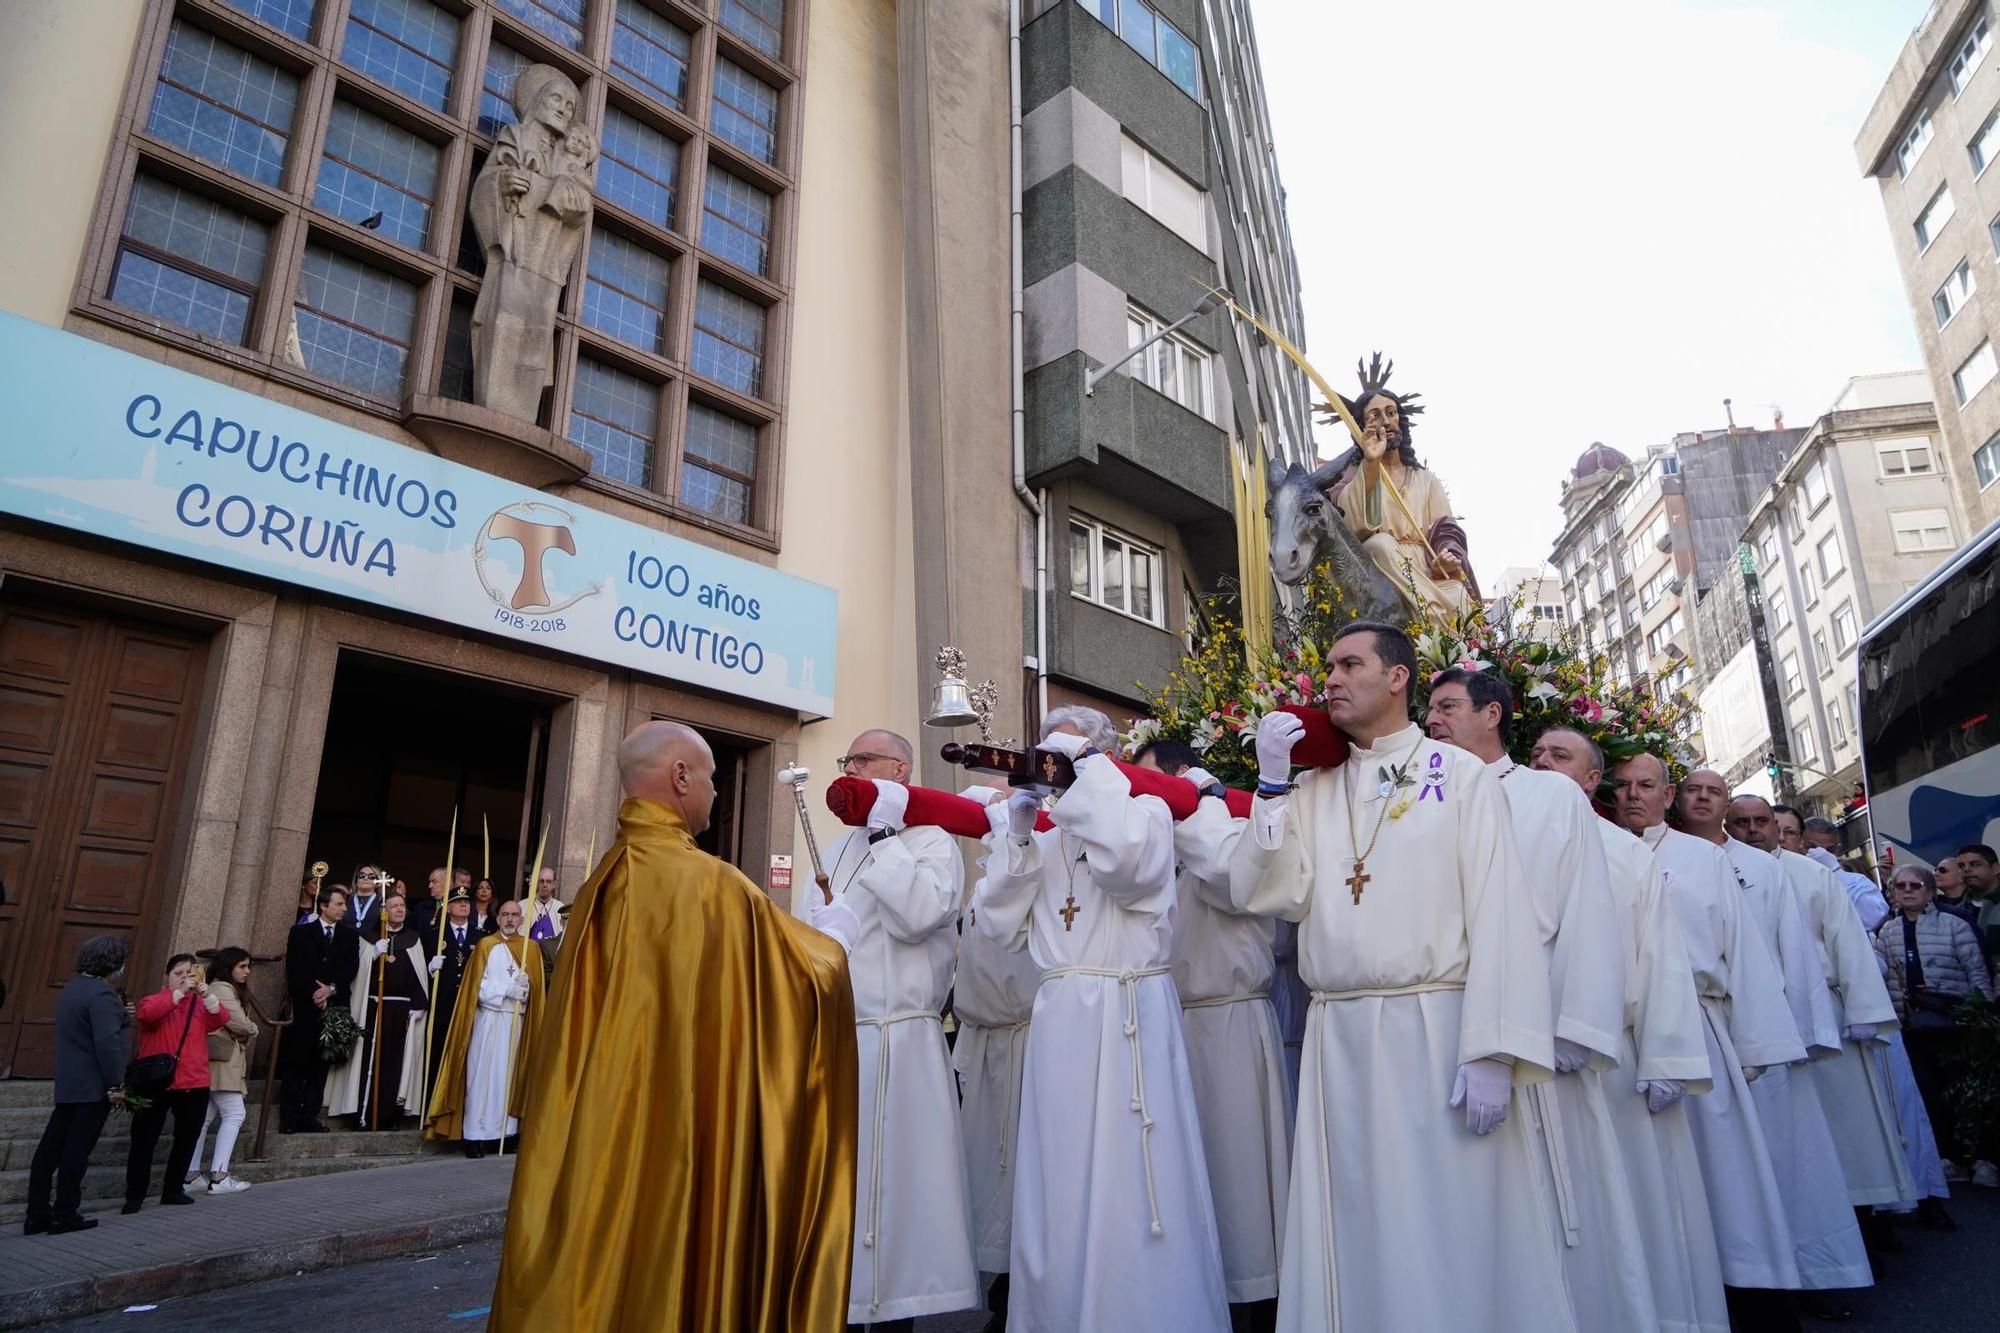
652, 630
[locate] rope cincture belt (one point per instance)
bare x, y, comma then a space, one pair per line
882, 1115
1128, 979
1222, 1001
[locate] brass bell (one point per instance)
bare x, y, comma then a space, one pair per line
951, 704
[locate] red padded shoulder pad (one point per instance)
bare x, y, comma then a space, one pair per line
850, 800
1322, 746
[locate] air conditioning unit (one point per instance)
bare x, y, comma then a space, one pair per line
1666, 541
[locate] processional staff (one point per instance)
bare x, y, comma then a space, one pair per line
444, 910
384, 881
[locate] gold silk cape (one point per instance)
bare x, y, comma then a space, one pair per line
445, 1118
687, 1154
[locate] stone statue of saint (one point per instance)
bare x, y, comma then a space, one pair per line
529, 206
1416, 542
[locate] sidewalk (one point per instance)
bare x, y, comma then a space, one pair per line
275, 1229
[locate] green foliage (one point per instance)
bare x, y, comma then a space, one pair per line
1974, 1092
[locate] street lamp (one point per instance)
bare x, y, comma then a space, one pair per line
1213, 301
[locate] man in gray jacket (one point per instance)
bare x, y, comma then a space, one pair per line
90, 1073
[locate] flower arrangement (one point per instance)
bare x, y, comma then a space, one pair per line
1215, 697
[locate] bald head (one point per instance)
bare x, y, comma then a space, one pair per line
879, 754
1704, 798
1752, 820
670, 763
1569, 752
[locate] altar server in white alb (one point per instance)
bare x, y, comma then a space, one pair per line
1430, 1001
1223, 968
1748, 1028
1562, 862
912, 1238
1664, 1060
1114, 1225
993, 997
1826, 1238
1854, 1084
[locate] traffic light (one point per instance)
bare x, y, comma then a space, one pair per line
1771, 767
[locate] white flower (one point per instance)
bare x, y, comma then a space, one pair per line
1545, 691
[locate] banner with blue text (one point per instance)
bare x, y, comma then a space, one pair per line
118, 446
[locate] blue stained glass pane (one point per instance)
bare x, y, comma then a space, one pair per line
721, 439
758, 22
639, 167
223, 104
145, 284
373, 166
652, 52
496, 90
744, 111
728, 339
558, 19
725, 497
291, 17
409, 45
626, 294
736, 221
614, 417
354, 322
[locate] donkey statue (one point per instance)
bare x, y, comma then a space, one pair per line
1306, 528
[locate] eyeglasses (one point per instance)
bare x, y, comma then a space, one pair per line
862, 757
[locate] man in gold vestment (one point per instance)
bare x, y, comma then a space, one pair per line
687, 1160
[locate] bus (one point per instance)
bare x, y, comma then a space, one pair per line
1930, 710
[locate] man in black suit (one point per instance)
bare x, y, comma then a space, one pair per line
424, 910
364, 904
447, 971
321, 960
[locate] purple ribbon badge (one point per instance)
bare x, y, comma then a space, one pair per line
1434, 779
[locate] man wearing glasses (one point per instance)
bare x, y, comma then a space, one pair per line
912, 1238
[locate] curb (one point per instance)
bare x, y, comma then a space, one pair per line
258, 1263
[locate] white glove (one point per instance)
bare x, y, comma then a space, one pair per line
1200, 777
519, 990
1064, 744
1751, 1073
1276, 735
437, 964
892, 804
382, 947
1570, 1057
1662, 1093
1860, 1032
1022, 807
1483, 1088
984, 795
838, 920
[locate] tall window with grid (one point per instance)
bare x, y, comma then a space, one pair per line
289, 191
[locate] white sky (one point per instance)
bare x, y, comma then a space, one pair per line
1578, 220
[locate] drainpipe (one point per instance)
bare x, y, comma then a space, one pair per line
1018, 416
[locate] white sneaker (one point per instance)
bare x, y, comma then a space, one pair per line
1987, 1174
1954, 1172
228, 1185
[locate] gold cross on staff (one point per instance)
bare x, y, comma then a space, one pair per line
1068, 912
1356, 880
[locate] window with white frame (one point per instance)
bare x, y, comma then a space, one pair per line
1905, 458
1843, 626
1159, 42
1795, 517
1936, 214
1808, 585
1986, 462
1957, 290
1974, 374
1821, 657
1788, 675
1914, 141
1779, 612
1115, 571
1805, 748
1832, 560
1970, 52
1985, 145
1816, 486
1836, 724
1656, 587
1854, 704
1663, 634
1921, 530
1767, 548
1165, 195
1173, 365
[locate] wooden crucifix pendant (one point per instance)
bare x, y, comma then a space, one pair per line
1068, 912
1357, 879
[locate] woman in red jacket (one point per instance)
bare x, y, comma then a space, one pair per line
174, 1020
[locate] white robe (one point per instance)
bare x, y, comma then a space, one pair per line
1830, 1249
993, 997
912, 1221
490, 1067
343, 1084
1400, 1217
410, 1083
1576, 1149
1114, 1225
1746, 1022
1663, 1041
1223, 966
1920, 1150
1854, 1085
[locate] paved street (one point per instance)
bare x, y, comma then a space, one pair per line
1940, 1284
